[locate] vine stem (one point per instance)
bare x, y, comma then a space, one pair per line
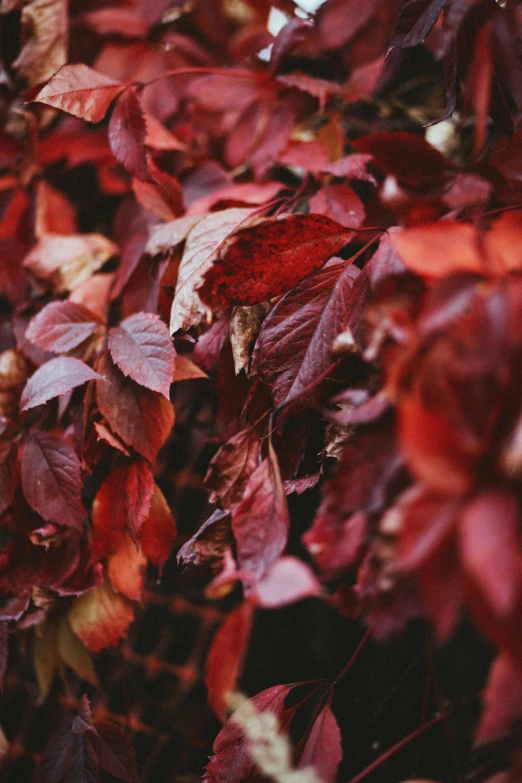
399, 745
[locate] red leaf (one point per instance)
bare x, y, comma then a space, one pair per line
61, 326
428, 519
439, 249
126, 568
158, 531
368, 463
270, 258
232, 761
339, 20
8, 475
260, 522
502, 700
142, 349
127, 134
203, 242
311, 156
122, 502
317, 88
80, 90
141, 417
293, 347
55, 377
322, 749
101, 617
226, 656
415, 19
489, 545
54, 214
230, 469
162, 198
51, 479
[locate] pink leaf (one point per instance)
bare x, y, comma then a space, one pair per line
127, 134
322, 749
340, 203
489, 547
142, 349
51, 479
55, 377
61, 326
81, 91
502, 700
288, 580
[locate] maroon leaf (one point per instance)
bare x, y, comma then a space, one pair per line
322, 749
127, 134
61, 326
232, 761
231, 468
293, 347
3, 651
114, 751
80, 90
288, 38
55, 377
260, 522
8, 475
270, 258
410, 158
141, 417
415, 19
142, 349
51, 479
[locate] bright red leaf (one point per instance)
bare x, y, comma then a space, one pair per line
323, 750
270, 258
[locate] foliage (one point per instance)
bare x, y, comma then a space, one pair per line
175, 207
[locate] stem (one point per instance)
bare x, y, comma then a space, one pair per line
399, 745
205, 70
352, 660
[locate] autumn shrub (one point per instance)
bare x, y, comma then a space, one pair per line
271, 257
